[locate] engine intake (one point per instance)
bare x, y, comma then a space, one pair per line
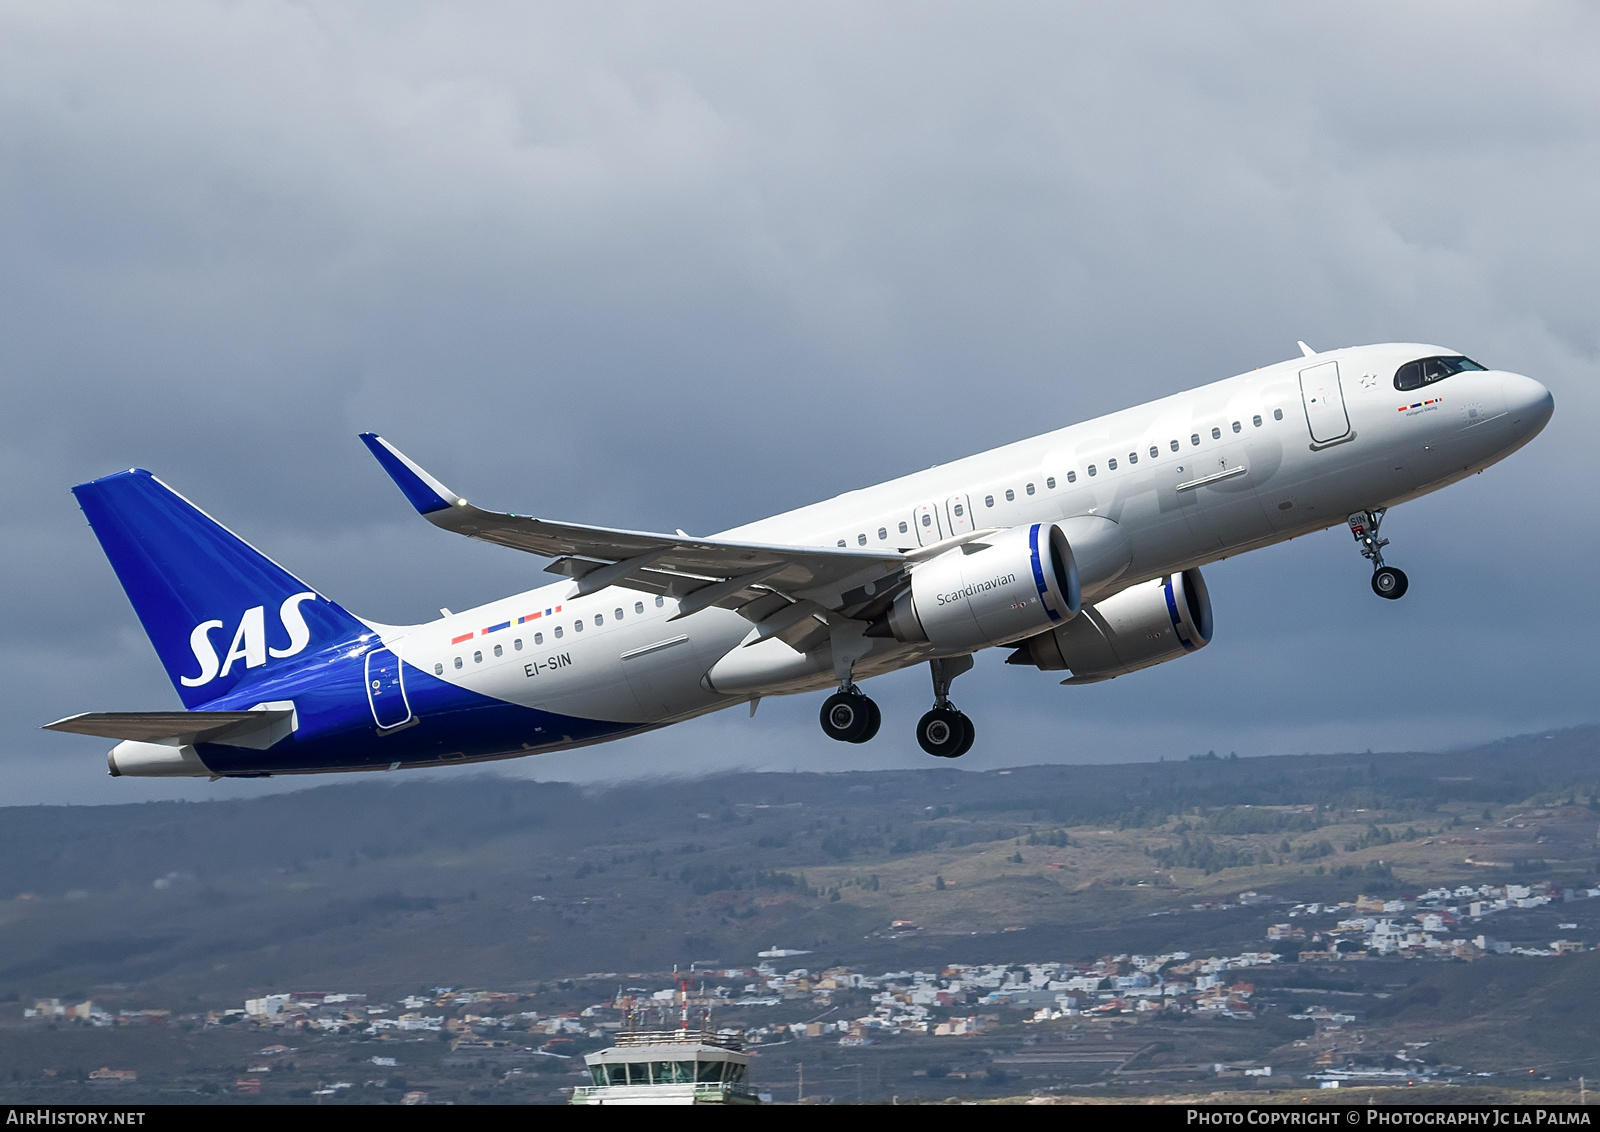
1144, 625
994, 592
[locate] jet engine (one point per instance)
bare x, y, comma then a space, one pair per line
1147, 624
994, 591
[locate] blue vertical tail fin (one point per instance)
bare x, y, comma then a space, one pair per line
219, 612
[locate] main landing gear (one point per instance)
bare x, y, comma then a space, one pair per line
1387, 581
850, 716
946, 732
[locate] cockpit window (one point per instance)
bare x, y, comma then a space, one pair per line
1426, 371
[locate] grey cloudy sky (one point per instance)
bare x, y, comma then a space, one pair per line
685, 265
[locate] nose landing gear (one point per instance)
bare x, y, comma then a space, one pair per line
946, 732
1387, 581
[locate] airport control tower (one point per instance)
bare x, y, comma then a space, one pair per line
669, 1067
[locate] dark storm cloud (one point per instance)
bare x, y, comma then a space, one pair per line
687, 266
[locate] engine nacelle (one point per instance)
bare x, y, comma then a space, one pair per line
1147, 624
996, 591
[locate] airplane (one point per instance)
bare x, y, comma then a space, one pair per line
1080, 550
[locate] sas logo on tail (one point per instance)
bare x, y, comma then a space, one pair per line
249, 640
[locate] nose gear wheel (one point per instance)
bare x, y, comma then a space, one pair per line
1387, 581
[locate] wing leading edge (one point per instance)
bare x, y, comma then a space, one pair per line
698, 572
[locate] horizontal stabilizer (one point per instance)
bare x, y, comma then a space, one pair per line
245, 728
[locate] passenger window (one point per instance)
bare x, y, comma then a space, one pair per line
1133, 457
517, 644
1091, 470
861, 540
1154, 452
538, 638
1256, 420
617, 613
577, 626
558, 632
499, 651
458, 662
1050, 483
960, 511
927, 520
1216, 434
638, 607
660, 601
1111, 464
1010, 495
883, 533
599, 620
841, 542
1277, 414
477, 658
1030, 489
1194, 438
1174, 445
1072, 477
438, 669
988, 501
1235, 426
902, 526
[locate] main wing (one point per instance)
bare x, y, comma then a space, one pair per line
762, 581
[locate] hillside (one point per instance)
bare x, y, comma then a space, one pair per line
392, 883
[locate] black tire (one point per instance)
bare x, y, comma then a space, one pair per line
942, 733
874, 721
1389, 582
846, 716
971, 735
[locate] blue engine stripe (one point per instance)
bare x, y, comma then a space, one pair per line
1172, 612
1038, 572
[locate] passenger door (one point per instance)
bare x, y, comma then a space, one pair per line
926, 520
386, 692
1324, 401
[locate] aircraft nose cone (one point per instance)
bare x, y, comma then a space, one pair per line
1528, 401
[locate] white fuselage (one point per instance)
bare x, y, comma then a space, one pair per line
1191, 478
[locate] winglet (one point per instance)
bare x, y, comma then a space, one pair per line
1304, 349
424, 492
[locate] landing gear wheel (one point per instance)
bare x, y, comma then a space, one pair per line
873, 723
971, 734
1389, 582
945, 733
850, 717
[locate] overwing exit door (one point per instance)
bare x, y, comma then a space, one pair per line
926, 520
386, 691
1324, 401
958, 513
